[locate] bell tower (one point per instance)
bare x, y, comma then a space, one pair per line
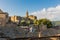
27, 15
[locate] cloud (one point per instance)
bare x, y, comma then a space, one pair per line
52, 13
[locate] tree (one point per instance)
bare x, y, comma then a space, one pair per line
23, 23
28, 22
36, 22
45, 22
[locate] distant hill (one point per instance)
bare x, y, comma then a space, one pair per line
56, 23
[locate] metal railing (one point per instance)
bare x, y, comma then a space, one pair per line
39, 38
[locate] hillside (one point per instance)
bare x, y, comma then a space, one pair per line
56, 23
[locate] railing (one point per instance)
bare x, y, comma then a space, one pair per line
39, 38
34, 38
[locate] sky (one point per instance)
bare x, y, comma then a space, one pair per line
49, 9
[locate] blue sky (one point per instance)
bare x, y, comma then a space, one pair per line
19, 7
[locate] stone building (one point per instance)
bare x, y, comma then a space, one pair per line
15, 18
3, 18
30, 16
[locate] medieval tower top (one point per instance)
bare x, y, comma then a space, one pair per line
27, 15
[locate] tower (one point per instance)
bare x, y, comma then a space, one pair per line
27, 15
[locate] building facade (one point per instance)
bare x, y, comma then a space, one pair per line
3, 18
15, 18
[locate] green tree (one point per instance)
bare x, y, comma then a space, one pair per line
23, 23
45, 22
36, 22
28, 22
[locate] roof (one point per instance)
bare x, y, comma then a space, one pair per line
1, 12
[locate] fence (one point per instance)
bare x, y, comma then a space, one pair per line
34, 38
37, 38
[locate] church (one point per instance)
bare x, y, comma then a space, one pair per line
32, 17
